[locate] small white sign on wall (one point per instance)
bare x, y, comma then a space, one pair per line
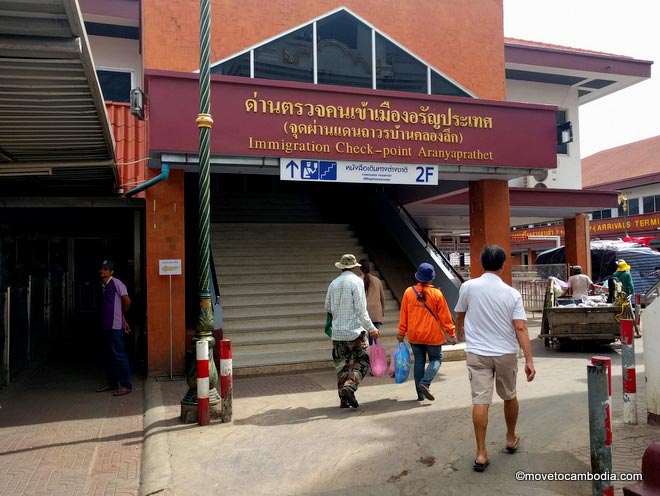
169, 267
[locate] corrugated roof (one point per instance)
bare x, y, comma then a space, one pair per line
637, 159
53, 123
130, 139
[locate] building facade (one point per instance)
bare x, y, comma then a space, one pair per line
435, 87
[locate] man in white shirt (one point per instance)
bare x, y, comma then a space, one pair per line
347, 302
579, 284
491, 318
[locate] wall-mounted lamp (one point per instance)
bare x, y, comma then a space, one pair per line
564, 133
137, 103
623, 201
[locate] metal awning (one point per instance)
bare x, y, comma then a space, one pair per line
55, 136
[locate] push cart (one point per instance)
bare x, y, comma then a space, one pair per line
562, 324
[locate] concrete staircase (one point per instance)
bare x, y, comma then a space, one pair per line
273, 279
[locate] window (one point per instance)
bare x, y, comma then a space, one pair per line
344, 51
562, 148
115, 85
440, 86
398, 70
344, 56
602, 214
651, 204
289, 58
633, 207
238, 66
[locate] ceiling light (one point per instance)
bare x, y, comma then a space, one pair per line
25, 171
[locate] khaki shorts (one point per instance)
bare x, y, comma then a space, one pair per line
482, 370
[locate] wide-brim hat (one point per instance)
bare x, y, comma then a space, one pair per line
425, 272
622, 265
347, 261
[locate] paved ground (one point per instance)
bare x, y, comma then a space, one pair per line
288, 436
59, 437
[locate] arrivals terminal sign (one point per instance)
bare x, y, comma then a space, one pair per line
326, 123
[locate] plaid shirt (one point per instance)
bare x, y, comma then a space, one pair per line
347, 303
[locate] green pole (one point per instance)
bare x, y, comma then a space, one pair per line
204, 330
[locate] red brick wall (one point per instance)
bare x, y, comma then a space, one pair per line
165, 241
462, 39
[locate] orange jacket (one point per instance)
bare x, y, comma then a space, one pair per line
416, 321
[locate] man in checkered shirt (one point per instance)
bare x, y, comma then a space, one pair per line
347, 302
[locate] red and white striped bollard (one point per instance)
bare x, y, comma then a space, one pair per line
202, 355
226, 380
607, 363
628, 372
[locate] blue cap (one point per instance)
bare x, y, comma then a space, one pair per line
107, 264
425, 273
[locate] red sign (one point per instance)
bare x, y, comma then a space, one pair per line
279, 119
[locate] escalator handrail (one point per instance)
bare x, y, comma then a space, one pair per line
406, 217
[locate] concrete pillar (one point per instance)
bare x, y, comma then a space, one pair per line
650, 322
577, 242
489, 222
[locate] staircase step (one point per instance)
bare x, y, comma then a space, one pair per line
274, 261
265, 363
260, 288
274, 362
289, 260
256, 229
302, 307
301, 271
230, 300
260, 323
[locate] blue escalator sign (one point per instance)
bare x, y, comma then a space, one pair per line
357, 172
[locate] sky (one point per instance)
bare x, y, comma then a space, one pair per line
630, 28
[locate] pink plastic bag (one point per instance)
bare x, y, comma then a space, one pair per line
378, 359
390, 371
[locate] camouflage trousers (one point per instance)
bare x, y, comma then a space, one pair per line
351, 362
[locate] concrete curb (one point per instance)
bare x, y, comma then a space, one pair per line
156, 470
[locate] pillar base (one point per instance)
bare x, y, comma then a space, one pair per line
189, 407
653, 419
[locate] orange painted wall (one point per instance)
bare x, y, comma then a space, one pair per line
165, 241
489, 222
577, 242
462, 39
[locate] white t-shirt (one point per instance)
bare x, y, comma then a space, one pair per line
579, 284
490, 307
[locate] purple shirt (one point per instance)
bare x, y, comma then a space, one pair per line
112, 316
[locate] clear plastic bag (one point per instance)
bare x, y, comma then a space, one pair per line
378, 359
390, 370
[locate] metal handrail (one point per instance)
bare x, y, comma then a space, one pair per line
655, 287
421, 233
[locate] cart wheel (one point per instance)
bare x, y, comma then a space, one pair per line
547, 342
